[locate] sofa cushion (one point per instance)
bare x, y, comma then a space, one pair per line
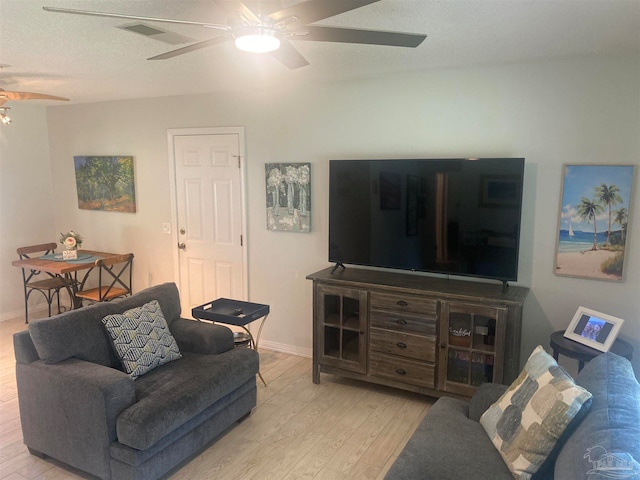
172, 394
142, 338
447, 445
166, 294
201, 337
529, 419
611, 429
77, 333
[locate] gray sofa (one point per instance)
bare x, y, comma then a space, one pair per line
450, 444
79, 407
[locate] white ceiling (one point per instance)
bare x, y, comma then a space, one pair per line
88, 59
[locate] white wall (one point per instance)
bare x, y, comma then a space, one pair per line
583, 110
26, 199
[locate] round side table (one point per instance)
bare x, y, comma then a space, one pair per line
582, 353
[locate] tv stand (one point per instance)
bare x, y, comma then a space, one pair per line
429, 335
505, 286
336, 266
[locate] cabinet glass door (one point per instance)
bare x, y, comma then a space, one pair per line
468, 346
342, 318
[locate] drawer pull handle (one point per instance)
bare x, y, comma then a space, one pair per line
402, 303
400, 371
401, 345
401, 321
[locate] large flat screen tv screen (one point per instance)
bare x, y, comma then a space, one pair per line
448, 216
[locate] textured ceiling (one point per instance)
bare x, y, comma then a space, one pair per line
89, 59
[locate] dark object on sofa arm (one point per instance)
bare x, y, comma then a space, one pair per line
78, 407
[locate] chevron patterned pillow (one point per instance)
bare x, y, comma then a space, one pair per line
142, 338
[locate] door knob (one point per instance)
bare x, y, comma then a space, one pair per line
182, 246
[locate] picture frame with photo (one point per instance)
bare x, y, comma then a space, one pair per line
594, 329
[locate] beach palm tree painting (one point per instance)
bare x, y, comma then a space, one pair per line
288, 188
592, 228
105, 183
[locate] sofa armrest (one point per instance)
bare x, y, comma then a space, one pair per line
81, 399
23, 347
486, 395
201, 337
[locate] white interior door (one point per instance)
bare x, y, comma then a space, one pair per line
209, 216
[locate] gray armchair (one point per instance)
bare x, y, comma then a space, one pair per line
77, 406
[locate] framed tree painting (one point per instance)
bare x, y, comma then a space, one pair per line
105, 183
288, 187
593, 220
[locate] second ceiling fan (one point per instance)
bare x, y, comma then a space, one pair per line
264, 27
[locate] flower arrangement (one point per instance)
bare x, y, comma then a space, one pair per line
71, 239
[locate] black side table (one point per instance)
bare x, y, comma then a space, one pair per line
567, 347
235, 312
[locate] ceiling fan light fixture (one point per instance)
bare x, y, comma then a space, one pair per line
258, 40
4, 118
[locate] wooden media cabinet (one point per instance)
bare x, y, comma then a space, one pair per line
429, 335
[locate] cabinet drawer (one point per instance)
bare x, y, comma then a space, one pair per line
402, 370
403, 344
403, 323
404, 303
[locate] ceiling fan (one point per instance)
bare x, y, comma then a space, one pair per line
272, 29
5, 96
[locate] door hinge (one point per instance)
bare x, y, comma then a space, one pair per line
241, 243
239, 161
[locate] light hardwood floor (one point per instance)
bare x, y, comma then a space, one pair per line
340, 429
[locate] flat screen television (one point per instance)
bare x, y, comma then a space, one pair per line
446, 216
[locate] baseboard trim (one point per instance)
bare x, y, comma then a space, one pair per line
284, 348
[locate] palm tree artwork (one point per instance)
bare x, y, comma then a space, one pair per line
589, 210
592, 228
608, 195
621, 217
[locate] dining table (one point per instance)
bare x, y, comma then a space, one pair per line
67, 269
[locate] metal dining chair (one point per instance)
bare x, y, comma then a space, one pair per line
48, 284
114, 279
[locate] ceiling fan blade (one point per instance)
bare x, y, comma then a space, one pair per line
314, 10
5, 96
192, 47
236, 7
352, 35
135, 17
288, 55
263, 7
